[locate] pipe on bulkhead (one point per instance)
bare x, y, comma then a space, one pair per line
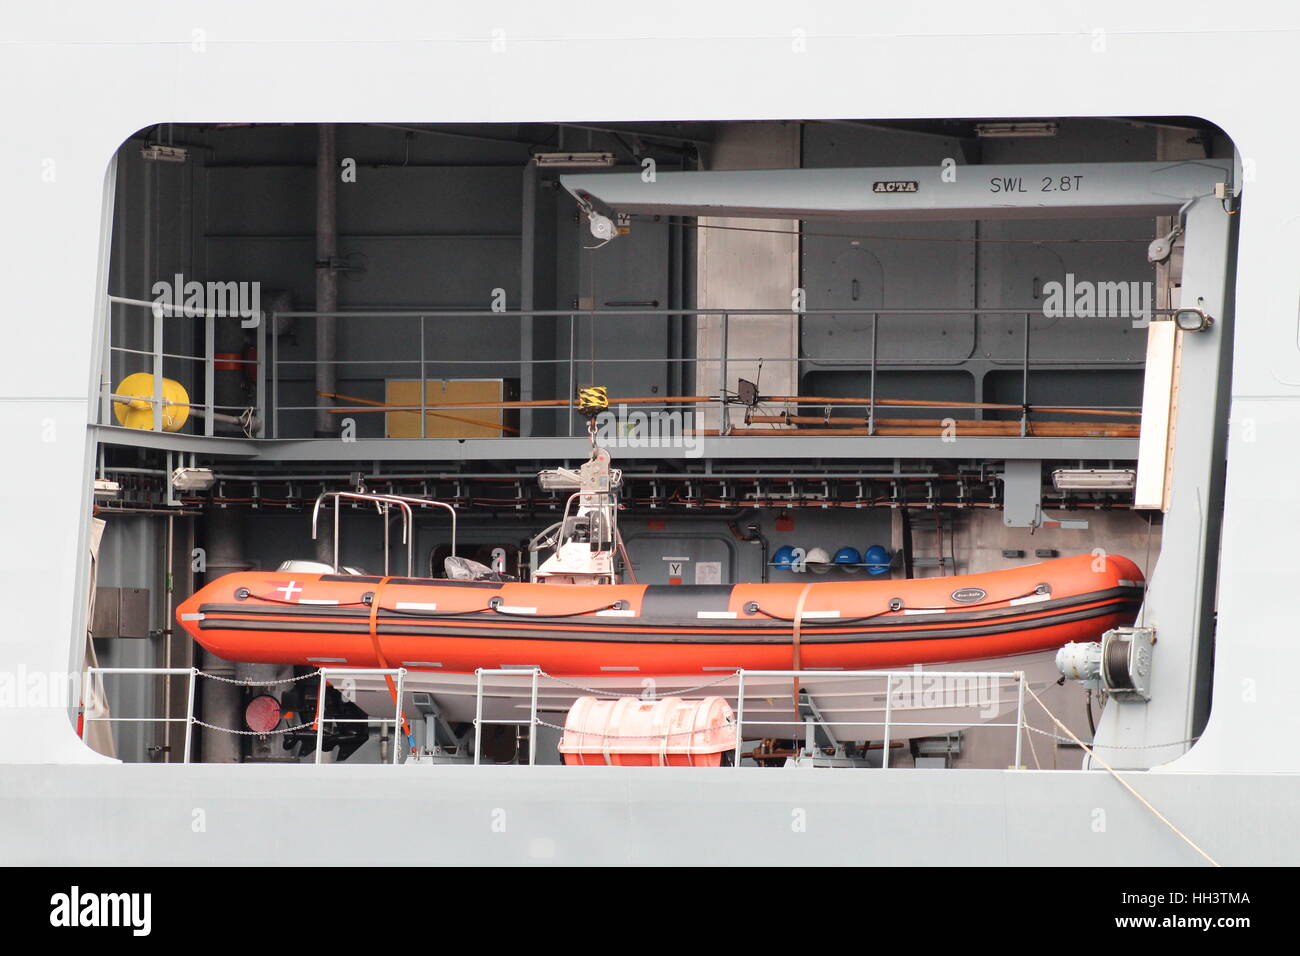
327, 296
327, 288
220, 702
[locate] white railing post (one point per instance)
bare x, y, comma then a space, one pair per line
260, 400
320, 715
740, 711
189, 714
106, 385
532, 723
157, 313
724, 410
889, 713
1020, 714
209, 379
275, 379
478, 714
397, 717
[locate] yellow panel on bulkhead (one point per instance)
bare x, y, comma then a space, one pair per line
445, 423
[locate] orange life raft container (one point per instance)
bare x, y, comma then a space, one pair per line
436, 625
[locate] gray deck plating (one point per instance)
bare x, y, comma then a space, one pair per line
136, 814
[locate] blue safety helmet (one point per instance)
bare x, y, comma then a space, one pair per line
783, 558
847, 556
877, 559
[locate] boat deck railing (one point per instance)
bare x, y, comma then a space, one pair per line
820, 709
284, 398
91, 683
832, 717
190, 720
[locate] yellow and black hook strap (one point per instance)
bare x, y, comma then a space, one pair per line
592, 400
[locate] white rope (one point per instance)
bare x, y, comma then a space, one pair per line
1034, 750
1124, 783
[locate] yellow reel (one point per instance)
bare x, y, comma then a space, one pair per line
138, 412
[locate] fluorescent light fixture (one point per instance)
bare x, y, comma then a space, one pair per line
1094, 479
193, 479
165, 154
1016, 130
574, 159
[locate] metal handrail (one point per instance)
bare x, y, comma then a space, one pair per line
396, 720
207, 408
479, 721
270, 363
535, 674
889, 724
188, 719
382, 501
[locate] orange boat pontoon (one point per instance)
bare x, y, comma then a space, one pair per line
441, 625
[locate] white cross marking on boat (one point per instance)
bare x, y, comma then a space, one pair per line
289, 590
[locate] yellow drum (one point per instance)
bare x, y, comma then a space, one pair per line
138, 413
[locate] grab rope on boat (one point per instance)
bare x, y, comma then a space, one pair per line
896, 605
497, 608
270, 600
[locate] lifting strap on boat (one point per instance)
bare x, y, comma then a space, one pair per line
798, 620
379, 654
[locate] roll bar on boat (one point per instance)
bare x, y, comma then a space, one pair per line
382, 505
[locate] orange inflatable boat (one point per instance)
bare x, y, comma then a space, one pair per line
436, 625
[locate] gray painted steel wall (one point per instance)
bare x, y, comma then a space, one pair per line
592, 815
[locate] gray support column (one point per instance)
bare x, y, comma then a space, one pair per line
1180, 591
527, 273
327, 290
220, 701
